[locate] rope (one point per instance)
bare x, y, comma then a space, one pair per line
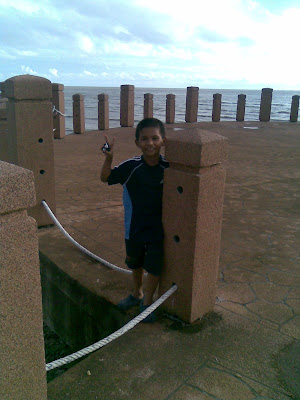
131, 324
55, 111
79, 246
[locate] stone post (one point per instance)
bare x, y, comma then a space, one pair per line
103, 112
216, 111
78, 113
148, 105
265, 104
127, 105
192, 217
294, 108
58, 101
240, 109
30, 136
22, 356
170, 109
191, 110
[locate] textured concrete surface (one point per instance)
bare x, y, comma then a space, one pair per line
235, 353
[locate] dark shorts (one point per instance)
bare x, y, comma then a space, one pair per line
147, 255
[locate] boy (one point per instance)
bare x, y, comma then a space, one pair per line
142, 180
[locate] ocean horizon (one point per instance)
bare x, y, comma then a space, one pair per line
280, 110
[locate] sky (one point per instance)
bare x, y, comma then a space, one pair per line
234, 44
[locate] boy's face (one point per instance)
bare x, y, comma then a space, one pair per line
150, 142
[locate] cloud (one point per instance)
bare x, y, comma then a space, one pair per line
157, 41
28, 70
53, 71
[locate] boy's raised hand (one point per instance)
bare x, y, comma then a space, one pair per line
108, 152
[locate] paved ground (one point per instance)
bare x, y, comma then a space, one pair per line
248, 348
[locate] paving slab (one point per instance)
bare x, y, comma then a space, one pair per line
257, 306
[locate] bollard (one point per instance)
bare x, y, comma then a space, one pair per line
148, 105
127, 105
294, 108
240, 109
265, 104
78, 113
30, 136
216, 111
170, 109
191, 110
22, 356
103, 112
58, 101
192, 216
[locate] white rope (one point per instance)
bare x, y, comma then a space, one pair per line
131, 324
55, 111
89, 253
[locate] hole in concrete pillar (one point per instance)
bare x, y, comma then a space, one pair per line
40, 140
180, 189
176, 239
42, 171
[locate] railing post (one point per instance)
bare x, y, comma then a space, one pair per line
170, 109
127, 105
30, 136
240, 109
216, 111
148, 105
192, 216
58, 101
191, 110
265, 104
294, 108
22, 356
78, 113
103, 112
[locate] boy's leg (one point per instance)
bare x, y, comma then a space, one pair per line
153, 265
137, 277
151, 282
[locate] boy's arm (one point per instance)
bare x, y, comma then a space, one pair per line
106, 167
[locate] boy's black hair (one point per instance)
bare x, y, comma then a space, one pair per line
150, 123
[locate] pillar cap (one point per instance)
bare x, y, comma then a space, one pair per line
148, 96
170, 96
127, 87
57, 86
193, 88
27, 87
16, 188
78, 96
195, 147
103, 96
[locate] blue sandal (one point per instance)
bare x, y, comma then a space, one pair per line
129, 302
151, 317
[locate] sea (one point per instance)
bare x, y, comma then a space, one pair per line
280, 110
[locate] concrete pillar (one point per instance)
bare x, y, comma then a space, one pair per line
30, 136
127, 105
216, 111
78, 113
148, 105
265, 104
240, 109
192, 217
58, 101
191, 110
103, 112
294, 108
3, 106
170, 109
22, 356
